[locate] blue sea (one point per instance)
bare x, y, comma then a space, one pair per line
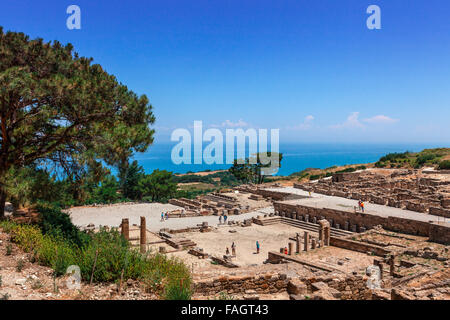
296, 157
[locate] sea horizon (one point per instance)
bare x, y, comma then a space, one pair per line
296, 156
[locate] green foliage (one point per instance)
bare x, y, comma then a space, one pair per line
158, 186
316, 176
19, 266
107, 191
429, 157
58, 107
252, 170
394, 156
444, 165
130, 186
178, 290
56, 223
8, 249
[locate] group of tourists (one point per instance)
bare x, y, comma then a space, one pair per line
233, 250
164, 216
225, 217
361, 205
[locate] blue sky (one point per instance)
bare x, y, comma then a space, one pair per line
310, 68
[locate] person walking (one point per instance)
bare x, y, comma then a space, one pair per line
225, 217
362, 206
257, 246
162, 216
220, 219
233, 249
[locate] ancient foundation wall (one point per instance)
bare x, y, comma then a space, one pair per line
355, 221
278, 196
357, 246
263, 284
440, 233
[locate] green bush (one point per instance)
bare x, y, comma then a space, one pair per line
58, 224
178, 290
444, 165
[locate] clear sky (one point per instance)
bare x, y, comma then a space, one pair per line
310, 68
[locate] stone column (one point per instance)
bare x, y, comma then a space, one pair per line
306, 239
327, 236
143, 238
307, 218
346, 225
290, 248
126, 229
379, 264
313, 243
297, 242
324, 233
391, 265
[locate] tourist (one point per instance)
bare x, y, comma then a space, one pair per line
225, 217
162, 216
167, 215
285, 250
359, 204
257, 246
362, 206
233, 249
220, 219
228, 252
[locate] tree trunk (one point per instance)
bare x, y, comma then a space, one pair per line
2, 202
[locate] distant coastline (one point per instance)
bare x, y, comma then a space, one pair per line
296, 156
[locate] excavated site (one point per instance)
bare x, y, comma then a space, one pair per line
315, 242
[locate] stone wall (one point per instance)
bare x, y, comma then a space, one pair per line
358, 246
408, 226
440, 212
263, 284
440, 233
355, 221
278, 196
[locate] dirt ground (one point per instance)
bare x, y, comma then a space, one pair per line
271, 238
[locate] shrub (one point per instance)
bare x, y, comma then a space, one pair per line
20, 265
444, 165
394, 156
178, 290
8, 249
58, 224
424, 158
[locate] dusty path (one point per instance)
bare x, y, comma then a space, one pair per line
112, 216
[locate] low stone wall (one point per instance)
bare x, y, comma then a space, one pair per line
440, 212
354, 221
278, 196
440, 233
358, 246
264, 284
408, 226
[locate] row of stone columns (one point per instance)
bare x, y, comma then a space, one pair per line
125, 230
310, 242
347, 225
